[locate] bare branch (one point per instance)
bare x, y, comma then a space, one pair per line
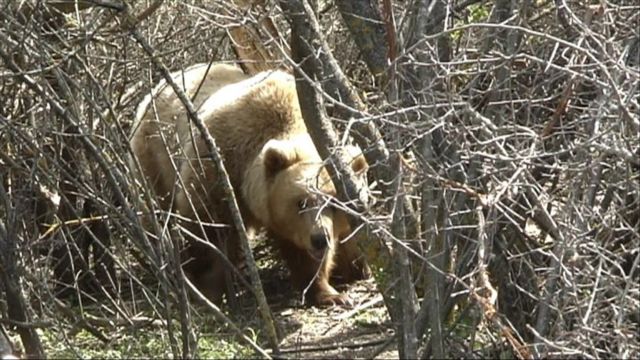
265, 312
362, 17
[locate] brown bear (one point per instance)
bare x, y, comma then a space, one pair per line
278, 177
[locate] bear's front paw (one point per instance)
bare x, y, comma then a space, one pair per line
328, 299
363, 271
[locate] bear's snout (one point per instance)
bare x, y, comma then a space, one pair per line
319, 241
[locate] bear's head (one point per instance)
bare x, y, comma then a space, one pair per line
287, 192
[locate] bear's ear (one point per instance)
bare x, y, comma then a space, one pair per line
278, 155
358, 162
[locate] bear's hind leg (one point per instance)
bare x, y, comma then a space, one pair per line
206, 268
211, 283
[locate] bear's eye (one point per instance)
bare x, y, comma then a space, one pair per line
302, 204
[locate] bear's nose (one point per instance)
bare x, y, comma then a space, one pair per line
319, 241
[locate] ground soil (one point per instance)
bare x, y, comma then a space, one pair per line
361, 331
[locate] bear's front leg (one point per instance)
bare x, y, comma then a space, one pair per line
350, 263
323, 294
313, 274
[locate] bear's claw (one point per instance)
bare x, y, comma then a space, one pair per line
324, 300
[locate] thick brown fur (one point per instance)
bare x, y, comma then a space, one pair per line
278, 176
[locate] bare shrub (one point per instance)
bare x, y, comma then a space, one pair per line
502, 138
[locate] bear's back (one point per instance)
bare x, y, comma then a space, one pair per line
244, 116
161, 126
200, 82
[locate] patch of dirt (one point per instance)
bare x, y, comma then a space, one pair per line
363, 331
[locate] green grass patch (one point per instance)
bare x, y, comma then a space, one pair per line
147, 342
